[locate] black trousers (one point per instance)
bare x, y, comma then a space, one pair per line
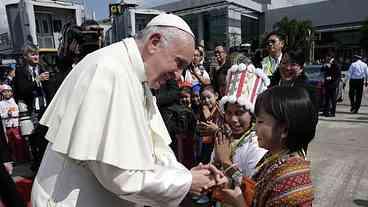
38, 145
330, 101
8, 192
355, 93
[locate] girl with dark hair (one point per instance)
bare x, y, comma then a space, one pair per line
211, 117
286, 122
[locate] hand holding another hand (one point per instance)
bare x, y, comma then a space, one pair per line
205, 177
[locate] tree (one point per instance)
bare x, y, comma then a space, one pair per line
298, 34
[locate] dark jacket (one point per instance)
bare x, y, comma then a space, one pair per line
219, 77
300, 81
332, 75
25, 87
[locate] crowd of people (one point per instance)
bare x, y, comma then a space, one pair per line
145, 121
217, 106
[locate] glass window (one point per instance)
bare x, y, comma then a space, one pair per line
45, 26
249, 29
57, 25
37, 26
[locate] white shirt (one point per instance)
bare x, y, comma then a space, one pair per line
190, 78
270, 64
247, 155
358, 70
108, 139
9, 107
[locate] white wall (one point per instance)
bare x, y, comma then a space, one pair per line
153, 3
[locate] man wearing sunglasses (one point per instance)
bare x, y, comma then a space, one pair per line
274, 44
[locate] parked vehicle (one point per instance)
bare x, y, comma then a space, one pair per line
316, 77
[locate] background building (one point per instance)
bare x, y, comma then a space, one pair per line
337, 22
214, 22
40, 22
238, 22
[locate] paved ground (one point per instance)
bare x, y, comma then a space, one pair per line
339, 156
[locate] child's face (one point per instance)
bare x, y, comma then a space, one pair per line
238, 118
208, 98
7, 94
184, 99
196, 99
269, 132
12, 73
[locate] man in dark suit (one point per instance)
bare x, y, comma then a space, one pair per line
30, 87
332, 79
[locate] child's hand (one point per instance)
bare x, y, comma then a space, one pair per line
234, 197
207, 128
222, 149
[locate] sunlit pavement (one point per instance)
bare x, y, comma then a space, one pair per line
339, 156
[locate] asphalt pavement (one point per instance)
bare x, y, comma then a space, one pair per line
339, 157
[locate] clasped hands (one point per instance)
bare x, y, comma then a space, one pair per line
205, 178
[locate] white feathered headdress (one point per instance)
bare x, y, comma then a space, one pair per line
243, 84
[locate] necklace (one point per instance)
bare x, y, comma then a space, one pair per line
238, 143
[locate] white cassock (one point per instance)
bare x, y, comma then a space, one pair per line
108, 142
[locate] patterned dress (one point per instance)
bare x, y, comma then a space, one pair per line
283, 180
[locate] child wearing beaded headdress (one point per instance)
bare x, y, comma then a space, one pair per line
238, 153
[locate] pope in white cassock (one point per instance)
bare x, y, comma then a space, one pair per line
108, 143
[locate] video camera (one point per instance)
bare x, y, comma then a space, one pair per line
89, 38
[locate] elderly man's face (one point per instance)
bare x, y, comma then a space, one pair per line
166, 63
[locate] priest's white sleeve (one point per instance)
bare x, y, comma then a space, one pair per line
166, 185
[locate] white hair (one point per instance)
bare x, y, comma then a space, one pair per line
169, 34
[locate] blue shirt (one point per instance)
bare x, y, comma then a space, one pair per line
358, 70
